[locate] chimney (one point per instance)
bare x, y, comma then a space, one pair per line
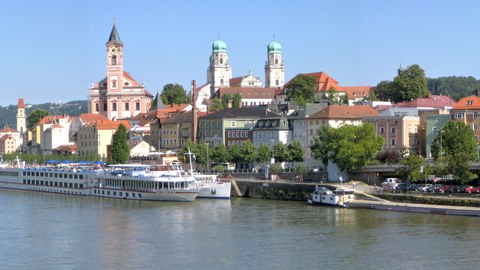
194, 112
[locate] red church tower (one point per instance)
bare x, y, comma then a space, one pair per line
118, 95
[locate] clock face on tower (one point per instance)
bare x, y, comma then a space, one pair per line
113, 50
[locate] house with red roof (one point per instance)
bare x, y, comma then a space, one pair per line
467, 110
37, 140
325, 82
7, 144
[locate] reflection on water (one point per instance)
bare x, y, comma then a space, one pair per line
45, 231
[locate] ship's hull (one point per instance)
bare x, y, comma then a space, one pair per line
89, 184
215, 190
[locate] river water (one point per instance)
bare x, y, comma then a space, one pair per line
51, 231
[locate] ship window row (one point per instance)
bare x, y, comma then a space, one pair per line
52, 183
114, 193
53, 175
14, 174
146, 185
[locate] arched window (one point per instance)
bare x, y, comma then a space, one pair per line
276, 61
114, 60
221, 60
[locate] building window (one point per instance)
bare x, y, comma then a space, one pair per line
137, 106
221, 60
233, 123
97, 107
277, 82
114, 83
381, 130
475, 126
469, 102
393, 142
114, 106
127, 106
393, 130
460, 115
475, 115
114, 60
104, 107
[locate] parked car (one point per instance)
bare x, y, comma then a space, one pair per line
472, 190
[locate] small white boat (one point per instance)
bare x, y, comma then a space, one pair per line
323, 195
211, 187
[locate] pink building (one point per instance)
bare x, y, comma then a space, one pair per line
118, 96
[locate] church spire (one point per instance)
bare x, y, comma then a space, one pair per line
114, 37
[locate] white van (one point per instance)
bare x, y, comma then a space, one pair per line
390, 183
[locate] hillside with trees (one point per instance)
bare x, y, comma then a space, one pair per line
72, 108
456, 87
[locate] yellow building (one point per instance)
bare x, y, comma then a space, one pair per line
95, 137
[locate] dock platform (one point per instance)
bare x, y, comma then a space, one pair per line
416, 208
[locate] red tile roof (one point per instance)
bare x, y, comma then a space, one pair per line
344, 112
432, 101
7, 130
21, 105
468, 103
249, 92
6, 137
326, 82
87, 117
110, 124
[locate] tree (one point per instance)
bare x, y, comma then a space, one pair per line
182, 153
120, 149
455, 137
225, 99
248, 152
411, 168
352, 147
174, 94
215, 105
301, 89
320, 148
280, 152
237, 98
456, 87
220, 154
409, 84
35, 116
334, 97
264, 153
295, 151
454, 148
384, 90
235, 153
458, 164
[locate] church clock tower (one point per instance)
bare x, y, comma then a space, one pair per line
274, 68
219, 72
114, 73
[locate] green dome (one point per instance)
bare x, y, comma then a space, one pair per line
219, 46
274, 47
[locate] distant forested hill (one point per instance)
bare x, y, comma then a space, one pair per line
456, 87
8, 114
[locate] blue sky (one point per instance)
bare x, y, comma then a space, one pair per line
53, 50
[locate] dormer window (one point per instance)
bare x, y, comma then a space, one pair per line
469, 102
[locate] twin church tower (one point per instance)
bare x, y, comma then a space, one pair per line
219, 72
119, 96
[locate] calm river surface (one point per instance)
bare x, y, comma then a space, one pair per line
50, 231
